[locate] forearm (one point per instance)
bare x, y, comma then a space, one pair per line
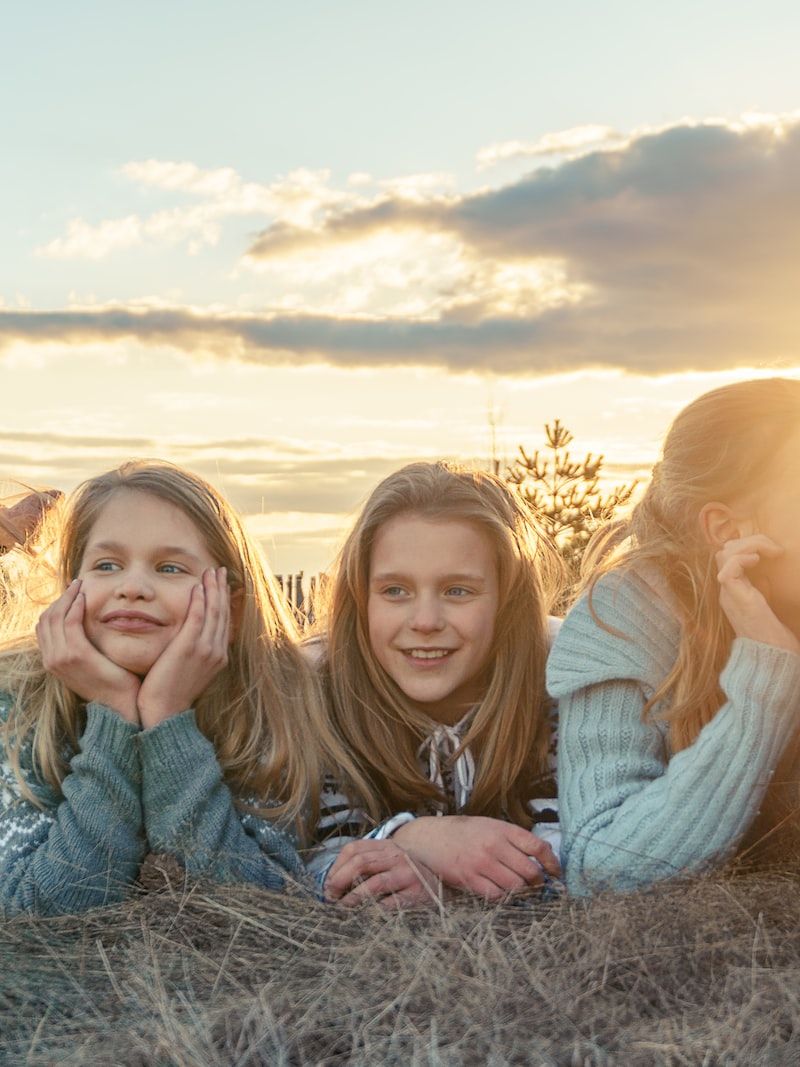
85, 851
190, 813
628, 816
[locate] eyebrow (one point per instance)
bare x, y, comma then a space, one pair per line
161, 550
397, 576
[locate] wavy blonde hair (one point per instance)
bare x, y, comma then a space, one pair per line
719, 448
264, 713
510, 733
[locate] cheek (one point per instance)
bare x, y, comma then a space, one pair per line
483, 633
92, 590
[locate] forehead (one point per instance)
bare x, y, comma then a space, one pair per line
411, 543
134, 516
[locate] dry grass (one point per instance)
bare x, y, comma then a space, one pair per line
705, 973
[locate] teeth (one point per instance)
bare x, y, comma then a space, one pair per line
428, 653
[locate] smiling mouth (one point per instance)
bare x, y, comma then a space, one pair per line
427, 653
131, 623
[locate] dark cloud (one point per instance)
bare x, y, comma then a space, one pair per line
685, 242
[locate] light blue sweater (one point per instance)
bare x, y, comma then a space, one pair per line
632, 812
128, 792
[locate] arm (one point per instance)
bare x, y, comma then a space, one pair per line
84, 851
189, 812
631, 816
342, 824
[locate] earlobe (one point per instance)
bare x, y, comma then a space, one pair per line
719, 524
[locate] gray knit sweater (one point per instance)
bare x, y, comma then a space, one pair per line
632, 812
128, 792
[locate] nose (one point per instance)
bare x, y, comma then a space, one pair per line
426, 614
134, 583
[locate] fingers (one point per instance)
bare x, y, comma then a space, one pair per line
374, 870
59, 626
358, 860
399, 878
758, 543
209, 612
534, 847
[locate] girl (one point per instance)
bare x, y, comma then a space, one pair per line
678, 674
164, 706
434, 664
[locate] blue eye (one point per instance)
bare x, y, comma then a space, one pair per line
170, 568
106, 566
393, 591
458, 591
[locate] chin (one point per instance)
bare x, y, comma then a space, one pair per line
136, 661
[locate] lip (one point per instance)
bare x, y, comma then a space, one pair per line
130, 621
427, 662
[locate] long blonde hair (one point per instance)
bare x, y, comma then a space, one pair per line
510, 731
717, 449
263, 713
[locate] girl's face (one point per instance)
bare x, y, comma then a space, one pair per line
778, 516
433, 599
142, 559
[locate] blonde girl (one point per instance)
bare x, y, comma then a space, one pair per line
161, 706
678, 673
435, 647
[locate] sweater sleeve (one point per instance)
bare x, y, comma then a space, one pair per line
85, 849
630, 813
190, 812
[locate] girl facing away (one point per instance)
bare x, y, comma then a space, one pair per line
677, 673
161, 706
433, 660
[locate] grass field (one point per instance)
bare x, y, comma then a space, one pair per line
704, 973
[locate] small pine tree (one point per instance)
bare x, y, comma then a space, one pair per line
565, 493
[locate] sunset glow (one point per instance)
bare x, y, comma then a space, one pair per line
293, 251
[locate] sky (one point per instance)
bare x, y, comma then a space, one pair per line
294, 246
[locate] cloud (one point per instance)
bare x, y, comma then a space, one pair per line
257, 474
674, 251
575, 141
223, 193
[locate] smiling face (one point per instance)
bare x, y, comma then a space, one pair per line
433, 599
142, 559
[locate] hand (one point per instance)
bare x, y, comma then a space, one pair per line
382, 871
489, 857
195, 655
745, 606
18, 521
68, 654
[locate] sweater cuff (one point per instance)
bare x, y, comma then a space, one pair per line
176, 745
762, 677
107, 731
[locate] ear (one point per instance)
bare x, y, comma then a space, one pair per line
719, 523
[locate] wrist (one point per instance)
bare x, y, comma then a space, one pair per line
151, 715
124, 707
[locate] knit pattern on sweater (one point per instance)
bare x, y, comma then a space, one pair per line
127, 792
632, 812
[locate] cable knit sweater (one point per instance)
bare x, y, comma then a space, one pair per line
632, 812
128, 791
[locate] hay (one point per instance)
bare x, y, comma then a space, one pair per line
702, 973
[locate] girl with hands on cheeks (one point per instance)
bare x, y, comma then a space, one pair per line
678, 671
433, 650
163, 705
